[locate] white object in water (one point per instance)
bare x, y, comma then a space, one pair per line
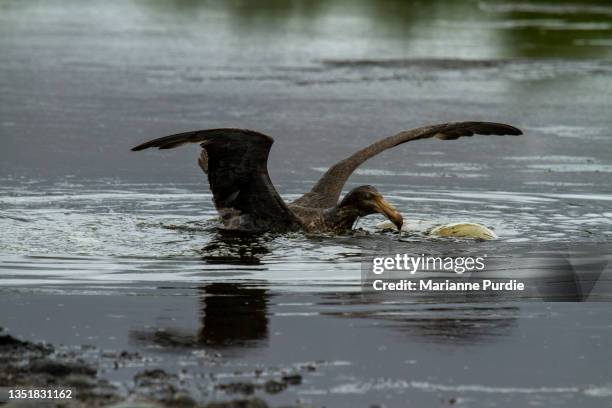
455, 229
463, 230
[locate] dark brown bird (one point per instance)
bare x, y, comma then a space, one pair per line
235, 161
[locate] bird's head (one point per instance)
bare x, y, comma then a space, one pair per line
366, 200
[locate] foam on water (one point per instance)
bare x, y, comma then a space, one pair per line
427, 386
574, 132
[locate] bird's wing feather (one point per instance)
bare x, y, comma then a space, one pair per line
236, 163
327, 191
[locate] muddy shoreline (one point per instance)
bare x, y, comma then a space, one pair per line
28, 365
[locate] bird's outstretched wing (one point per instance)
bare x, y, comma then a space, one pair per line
236, 163
327, 191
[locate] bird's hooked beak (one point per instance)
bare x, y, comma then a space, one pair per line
386, 209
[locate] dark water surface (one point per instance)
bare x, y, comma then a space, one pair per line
102, 246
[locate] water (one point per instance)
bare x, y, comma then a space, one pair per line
119, 250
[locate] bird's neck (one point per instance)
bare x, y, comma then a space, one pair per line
341, 218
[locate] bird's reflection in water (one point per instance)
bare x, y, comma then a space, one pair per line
434, 323
469, 324
235, 248
232, 314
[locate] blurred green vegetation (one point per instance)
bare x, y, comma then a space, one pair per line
506, 29
519, 29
